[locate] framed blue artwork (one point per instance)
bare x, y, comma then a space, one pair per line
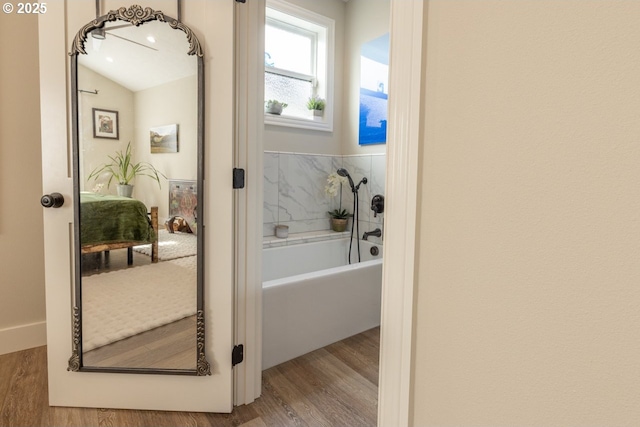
374, 82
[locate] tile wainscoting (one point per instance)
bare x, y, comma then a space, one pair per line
294, 190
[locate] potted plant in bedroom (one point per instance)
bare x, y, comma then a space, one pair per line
339, 217
122, 169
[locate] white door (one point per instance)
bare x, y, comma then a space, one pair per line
213, 24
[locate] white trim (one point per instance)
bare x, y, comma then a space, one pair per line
398, 276
249, 86
287, 73
22, 337
295, 122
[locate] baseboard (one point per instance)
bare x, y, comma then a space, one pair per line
23, 337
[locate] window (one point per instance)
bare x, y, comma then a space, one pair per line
298, 64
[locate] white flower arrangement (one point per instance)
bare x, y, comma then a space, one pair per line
334, 184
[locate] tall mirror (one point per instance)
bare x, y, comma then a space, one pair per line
137, 103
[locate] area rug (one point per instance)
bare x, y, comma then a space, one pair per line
172, 245
123, 303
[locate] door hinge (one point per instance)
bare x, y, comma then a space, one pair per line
238, 178
237, 356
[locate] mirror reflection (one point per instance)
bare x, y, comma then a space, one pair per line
138, 170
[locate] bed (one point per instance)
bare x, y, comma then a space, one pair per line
109, 222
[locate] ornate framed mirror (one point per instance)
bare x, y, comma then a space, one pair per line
137, 78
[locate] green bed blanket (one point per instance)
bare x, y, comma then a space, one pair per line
113, 219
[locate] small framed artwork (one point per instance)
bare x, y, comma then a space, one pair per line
105, 124
164, 139
183, 200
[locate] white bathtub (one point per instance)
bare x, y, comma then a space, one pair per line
312, 297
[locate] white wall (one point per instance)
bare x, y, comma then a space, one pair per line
527, 300
365, 20
95, 151
22, 297
172, 103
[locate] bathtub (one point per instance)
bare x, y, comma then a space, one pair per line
312, 297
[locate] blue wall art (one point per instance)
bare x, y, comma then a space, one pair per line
374, 83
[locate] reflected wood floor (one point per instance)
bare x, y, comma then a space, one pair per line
334, 386
171, 346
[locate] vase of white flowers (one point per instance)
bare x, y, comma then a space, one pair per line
339, 217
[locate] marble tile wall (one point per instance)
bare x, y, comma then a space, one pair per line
294, 190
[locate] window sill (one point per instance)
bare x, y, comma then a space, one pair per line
324, 124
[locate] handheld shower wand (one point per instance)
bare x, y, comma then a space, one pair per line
354, 188
343, 172
355, 223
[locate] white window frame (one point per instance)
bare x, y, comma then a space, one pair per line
324, 68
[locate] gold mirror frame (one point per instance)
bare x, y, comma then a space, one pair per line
136, 15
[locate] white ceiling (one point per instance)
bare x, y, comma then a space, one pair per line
136, 67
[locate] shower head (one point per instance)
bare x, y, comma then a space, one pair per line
343, 172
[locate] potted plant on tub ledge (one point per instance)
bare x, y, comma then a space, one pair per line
339, 217
122, 168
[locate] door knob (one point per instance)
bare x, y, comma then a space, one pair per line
53, 200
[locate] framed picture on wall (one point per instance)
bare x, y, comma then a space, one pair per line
105, 124
164, 139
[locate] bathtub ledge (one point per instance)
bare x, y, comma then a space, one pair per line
300, 238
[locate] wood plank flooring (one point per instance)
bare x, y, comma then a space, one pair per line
171, 346
334, 386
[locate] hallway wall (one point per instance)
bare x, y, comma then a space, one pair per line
527, 300
22, 303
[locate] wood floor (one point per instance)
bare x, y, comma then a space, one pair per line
334, 386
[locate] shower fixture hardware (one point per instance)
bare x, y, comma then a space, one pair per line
376, 233
354, 188
377, 204
354, 223
374, 251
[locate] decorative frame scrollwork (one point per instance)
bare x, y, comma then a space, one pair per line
203, 367
74, 360
135, 15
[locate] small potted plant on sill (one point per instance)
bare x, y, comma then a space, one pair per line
316, 104
122, 169
273, 106
339, 217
